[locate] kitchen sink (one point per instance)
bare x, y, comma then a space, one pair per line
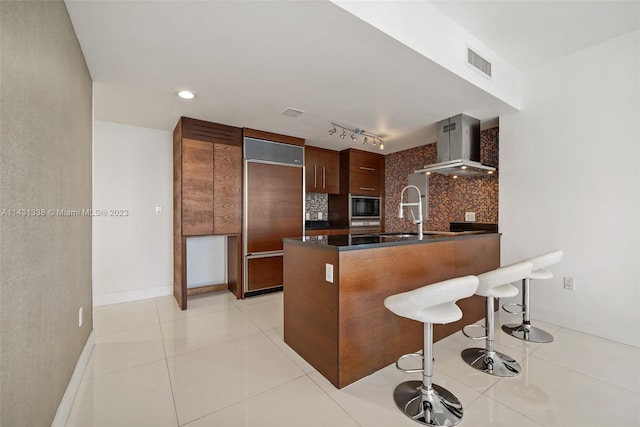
395, 235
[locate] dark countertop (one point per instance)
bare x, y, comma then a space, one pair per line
355, 242
322, 225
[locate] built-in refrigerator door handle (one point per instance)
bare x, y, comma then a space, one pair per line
266, 254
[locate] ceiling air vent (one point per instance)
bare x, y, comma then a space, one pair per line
479, 63
212, 132
292, 112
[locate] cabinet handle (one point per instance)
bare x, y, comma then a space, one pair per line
366, 188
323, 177
364, 168
315, 174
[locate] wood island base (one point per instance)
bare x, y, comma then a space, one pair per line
342, 328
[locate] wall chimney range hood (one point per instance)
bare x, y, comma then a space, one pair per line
458, 148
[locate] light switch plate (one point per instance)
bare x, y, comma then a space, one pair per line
469, 216
158, 210
328, 276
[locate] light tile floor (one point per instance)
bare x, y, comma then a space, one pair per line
223, 362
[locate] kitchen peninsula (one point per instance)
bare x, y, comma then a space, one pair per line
334, 288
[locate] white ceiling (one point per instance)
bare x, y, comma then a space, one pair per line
249, 61
531, 33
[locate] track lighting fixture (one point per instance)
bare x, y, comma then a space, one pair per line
355, 133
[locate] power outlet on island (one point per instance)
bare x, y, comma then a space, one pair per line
328, 273
469, 216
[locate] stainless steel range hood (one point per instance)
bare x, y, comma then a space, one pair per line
458, 148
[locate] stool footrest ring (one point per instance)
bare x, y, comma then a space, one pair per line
504, 307
466, 334
408, 371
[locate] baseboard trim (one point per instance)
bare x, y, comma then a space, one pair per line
126, 296
64, 408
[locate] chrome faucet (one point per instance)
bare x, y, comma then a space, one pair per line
418, 221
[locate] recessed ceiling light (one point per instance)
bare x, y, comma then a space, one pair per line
186, 94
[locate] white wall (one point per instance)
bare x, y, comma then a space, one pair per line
569, 179
132, 255
206, 261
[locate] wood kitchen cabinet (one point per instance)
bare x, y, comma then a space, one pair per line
361, 173
322, 170
207, 173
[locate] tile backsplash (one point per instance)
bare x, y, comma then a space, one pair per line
316, 203
449, 198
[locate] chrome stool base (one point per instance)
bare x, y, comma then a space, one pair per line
437, 407
527, 333
492, 363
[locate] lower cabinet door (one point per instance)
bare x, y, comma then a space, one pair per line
264, 273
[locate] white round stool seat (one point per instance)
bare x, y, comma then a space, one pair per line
541, 274
433, 303
545, 260
497, 283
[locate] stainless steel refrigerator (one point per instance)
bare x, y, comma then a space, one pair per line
273, 209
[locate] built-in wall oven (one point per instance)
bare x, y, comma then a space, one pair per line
364, 214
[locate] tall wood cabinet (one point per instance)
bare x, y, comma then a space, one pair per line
322, 170
207, 177
362, 174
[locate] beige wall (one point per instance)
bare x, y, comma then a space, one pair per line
45, 163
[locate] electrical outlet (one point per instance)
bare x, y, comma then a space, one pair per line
570, 283
319, 215
328, 274
470, 216
80, 317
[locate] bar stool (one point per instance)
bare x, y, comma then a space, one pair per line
423, 401
525, 331
495, 284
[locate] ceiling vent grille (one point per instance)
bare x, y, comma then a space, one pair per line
211, 132
292, 112
479, 63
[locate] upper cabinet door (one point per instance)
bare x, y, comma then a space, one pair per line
330, 171
322, 170
365, 162
227, 189
311, 169
197, 188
